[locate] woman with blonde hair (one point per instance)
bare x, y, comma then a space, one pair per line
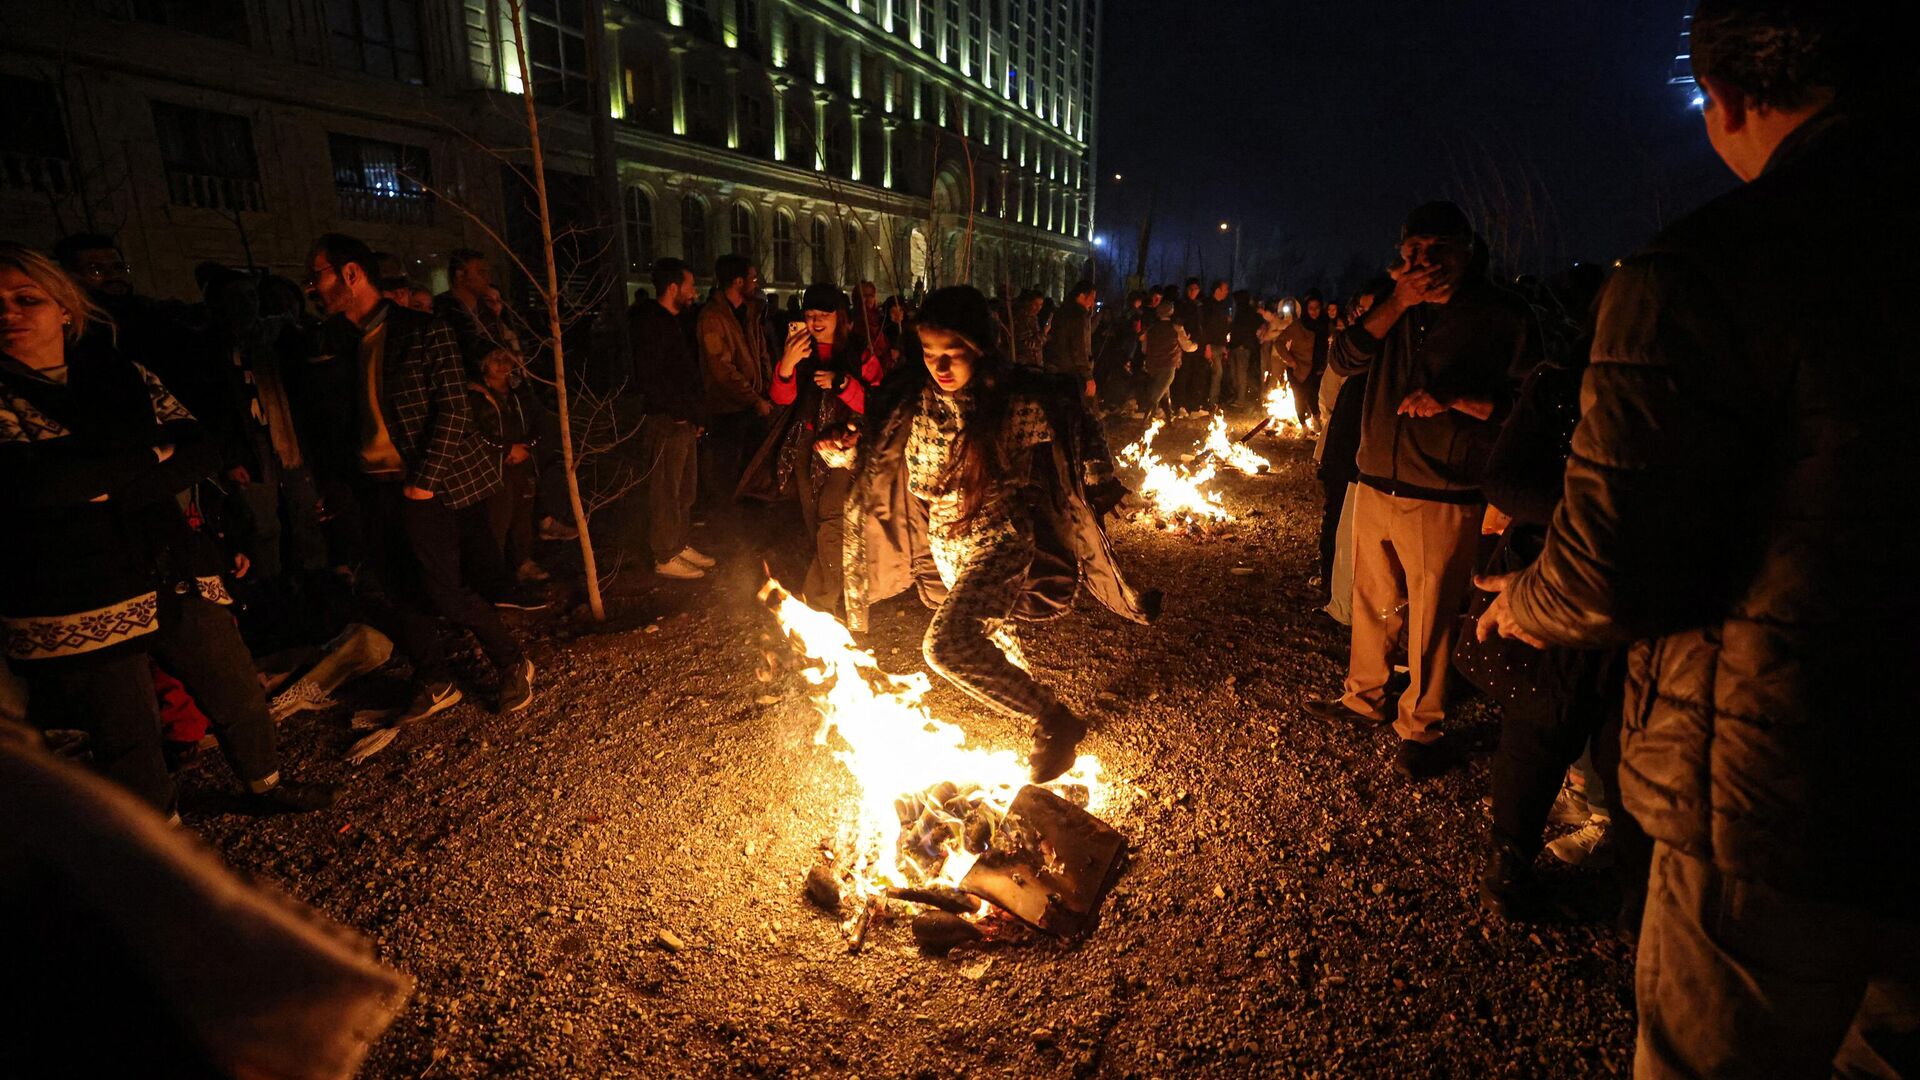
99, 569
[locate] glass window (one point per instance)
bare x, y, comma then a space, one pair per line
693, 234
557, 52
819, 243
379, 37
34, 154
374, 180
786, 261
853, 250
214, 18
743, 237
208, 157
639, 230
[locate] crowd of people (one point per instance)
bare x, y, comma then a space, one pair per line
1647, 516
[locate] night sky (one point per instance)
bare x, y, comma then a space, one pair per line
1319, 123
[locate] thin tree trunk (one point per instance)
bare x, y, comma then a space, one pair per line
551, 294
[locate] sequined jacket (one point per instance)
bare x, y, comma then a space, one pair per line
887, 550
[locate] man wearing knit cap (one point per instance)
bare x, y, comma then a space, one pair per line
1443, 352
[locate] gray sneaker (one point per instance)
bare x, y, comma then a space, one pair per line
429, 700
1589, 845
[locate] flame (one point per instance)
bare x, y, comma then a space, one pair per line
1284, 413
902, 758
1236, 455
1177, 494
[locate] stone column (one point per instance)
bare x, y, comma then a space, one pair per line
857, 115
677, 46
733, 103
781, 85
887, 127
822, 97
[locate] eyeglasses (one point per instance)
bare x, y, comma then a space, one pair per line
313, 276
100, 270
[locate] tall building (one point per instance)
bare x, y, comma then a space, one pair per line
910, 142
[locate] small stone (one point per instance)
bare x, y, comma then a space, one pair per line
653, 628
1379, 888
669, 941
767, 699
1219, 893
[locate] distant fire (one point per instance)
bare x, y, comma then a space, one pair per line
1283, 413
928, 803
1176, 493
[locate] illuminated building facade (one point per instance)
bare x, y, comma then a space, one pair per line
904, 141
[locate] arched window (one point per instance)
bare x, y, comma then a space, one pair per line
639, 230
822, 261
786, 261
743, 231
853, 254
693, 234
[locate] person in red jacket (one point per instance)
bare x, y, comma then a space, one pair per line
821, 380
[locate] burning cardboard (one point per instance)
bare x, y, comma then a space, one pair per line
1051, 864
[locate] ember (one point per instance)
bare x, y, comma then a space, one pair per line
929, 805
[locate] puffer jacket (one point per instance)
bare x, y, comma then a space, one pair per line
1733, 505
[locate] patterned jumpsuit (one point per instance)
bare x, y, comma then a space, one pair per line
984, 562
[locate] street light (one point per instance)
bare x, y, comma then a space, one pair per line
1117, 178
1233, 268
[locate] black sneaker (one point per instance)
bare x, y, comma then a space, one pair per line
524, 599
1056, 745
427, 700
1506, 882
292, 797
1338, 710
516, 689
1422, 761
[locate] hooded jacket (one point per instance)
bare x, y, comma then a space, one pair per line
887, 549
1480, 343
1734, 505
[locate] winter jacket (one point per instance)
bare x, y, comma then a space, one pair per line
733, 357
94, 528
1215, 326
1733, 505
424, 400
887, 549
1069, 349
1164, 344
1480, 344
1294, 342
667, 370
805, 414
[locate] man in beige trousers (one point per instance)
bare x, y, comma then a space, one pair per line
1443, 352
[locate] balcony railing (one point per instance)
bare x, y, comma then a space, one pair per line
214, 192
35, 172
385, 207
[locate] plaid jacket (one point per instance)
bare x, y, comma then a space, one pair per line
424, 386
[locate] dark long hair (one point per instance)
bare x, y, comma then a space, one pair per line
981, 464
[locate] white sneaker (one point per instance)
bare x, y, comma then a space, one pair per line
695, 558
1570, 807
679, 569
1589, 845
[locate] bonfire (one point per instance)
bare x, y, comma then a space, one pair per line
1283, 413
930, 803
1177, 494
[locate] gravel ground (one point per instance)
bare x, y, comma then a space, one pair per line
1291, 908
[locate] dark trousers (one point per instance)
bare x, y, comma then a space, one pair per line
1539, 738
1156, 393
412, 574
1333, 495
510, 514
671, 450
825, 512
731, 438
113, 700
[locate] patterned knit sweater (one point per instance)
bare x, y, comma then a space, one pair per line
98, 529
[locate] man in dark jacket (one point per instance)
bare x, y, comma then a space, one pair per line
669, 372
1442, 352
397, 422
1216, 323
1069, 348
1732, 506
1243, 344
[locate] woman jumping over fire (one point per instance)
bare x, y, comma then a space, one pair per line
984, 485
